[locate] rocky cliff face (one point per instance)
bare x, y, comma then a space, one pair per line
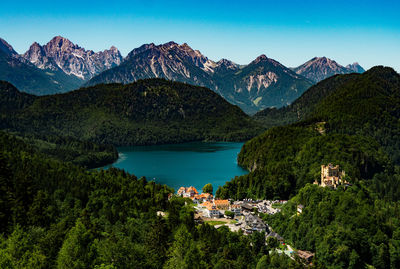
320, 68
61, 53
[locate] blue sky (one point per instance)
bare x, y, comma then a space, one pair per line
291, 32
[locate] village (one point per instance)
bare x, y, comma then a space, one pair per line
245, 215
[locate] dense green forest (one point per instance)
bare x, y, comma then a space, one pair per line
68, 149
355, 124
345, 228
349, 120
302, 106
151, 111
57, 215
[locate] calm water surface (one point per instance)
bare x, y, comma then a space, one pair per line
188, 164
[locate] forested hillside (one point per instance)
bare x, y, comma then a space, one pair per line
355, 124
352, 121
344, 228
152, 111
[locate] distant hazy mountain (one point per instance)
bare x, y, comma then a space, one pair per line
320, 68
262, 83
61, 54
355, 67
28, 78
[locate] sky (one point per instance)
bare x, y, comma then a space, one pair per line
290, 32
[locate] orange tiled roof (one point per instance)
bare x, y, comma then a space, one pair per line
208, 205
191, 188
182, 189
205, 195
221, 202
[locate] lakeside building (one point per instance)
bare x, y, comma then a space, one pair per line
187, 192
193, 194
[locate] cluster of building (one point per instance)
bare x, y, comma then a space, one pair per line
192, 193
245, 213
331, 176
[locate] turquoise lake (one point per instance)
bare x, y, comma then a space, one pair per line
187, 164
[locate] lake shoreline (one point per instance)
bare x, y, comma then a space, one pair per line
182, 164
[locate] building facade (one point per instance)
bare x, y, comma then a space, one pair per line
331, 176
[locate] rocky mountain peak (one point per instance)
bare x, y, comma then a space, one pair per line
261, 58
320, 68
60, 43
226, 65
7, 48
225, 62
61, 53
169, 45
355, 67
139, 50
37, 55
114, 49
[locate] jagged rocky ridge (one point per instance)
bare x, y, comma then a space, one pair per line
29, 78
61, 54
262, 83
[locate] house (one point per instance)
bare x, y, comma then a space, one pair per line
222, 204
181, 191
247, 207
254, 223
191, 191
187, 192
196, 200
206, 197
236, 209
276, 235
305, 255
211, 210
300, 208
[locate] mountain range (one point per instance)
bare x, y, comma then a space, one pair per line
61, 66
262, 83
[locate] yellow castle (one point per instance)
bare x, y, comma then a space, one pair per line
331, 176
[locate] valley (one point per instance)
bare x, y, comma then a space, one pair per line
105, 173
